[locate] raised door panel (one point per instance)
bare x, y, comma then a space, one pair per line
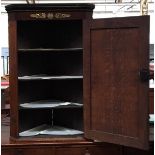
115, 95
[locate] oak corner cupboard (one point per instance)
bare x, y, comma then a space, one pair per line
75, 79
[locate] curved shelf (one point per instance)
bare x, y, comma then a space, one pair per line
58, 107
45, 104
45, 129
49, 49
45, 77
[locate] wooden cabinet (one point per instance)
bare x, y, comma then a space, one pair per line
74, 77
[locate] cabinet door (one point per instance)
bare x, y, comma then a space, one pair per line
116, 59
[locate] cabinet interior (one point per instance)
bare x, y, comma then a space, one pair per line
49, 34
50, 69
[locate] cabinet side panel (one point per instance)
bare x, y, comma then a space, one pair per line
86, 74
13, 78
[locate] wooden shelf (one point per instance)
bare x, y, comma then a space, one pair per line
37, 77
50, 104
50, 49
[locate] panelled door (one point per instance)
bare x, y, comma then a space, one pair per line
116, 80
